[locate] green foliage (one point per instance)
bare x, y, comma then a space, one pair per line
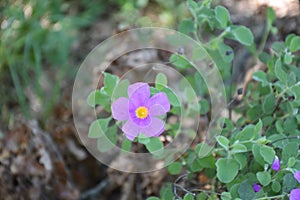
161, 81
223, 141
36, 41
246, 191
227, 169
99, 97
175, 168
155, 146
269, 118
243, 35
222, 15
98, 128
264, 178
110, 83
108, 141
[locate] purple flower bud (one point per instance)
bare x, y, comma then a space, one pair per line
297, 176
295, 194
180, 50
256, 187
276, 164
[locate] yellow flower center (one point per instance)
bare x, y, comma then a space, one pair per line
141, 112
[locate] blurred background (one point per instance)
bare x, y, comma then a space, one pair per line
42, 46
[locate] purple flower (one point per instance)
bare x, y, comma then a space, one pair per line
276, 164
295, 194
256, 187
141, 111
297, 176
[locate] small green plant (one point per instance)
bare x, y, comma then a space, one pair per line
36, 38
256, 156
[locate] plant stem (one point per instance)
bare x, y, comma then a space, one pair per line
264, 39
273, 197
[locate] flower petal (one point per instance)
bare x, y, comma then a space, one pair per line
256, 187
276, 164
130, 129
155, 128
297, 176
138, 94
156, 110
160, 99
295, 194
120, 109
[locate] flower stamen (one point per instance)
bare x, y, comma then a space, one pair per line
141, 112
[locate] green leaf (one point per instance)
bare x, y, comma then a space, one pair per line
110, 82
226, 196
180, 61
296, 91
271, 16
153, 198
278, 47
269, 104
191, 4
196, 166
290, 125
238, 148
201, 196
291, 162
254, 112
203, 150
246, 134
289, 38
98, 97
289, 183
265, 57
288, 58
267, 153
204, 106
223, 141
234, 191
161, 81
121, 89
190, 94
226, 52
143, 139
109, 140
222, 16
98, 128
264, 178
261, 76
243, 35
126, 145
166, 192
257, 155
292, 79
241, 159
289, 150
295, 44
258, 128
227, 169
280, 74
155, 145
188, 196
246, 191
174, 100
208, 162
276, 187
186, 26
175, 168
